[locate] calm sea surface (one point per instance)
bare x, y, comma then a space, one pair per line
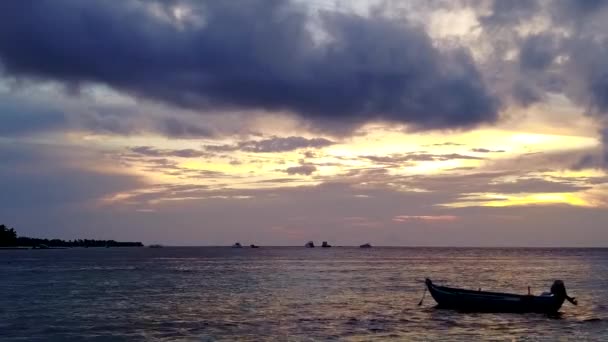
289, 294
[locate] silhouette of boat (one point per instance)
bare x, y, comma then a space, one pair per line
237, 245
483, 301
310, 244
254, 246
365, 245
325, 244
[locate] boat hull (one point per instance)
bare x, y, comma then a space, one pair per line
482, 301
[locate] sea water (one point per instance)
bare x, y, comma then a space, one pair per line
290, 294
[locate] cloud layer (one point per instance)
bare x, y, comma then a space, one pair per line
272, 145
258, 55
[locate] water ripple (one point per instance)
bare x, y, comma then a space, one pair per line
295, 294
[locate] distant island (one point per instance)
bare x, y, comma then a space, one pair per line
9, 238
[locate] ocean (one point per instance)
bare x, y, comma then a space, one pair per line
290, 294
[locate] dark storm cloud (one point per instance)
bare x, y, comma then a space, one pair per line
568, 56
587, 70
537, 51
253, 55
272, 145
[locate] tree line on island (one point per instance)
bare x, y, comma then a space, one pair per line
9, 238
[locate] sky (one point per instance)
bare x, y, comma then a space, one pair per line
276, 122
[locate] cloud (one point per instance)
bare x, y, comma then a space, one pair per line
162, 161
485, 150
36, 177
176, 128
154, 152
18, 118
604, 133
537, 52
368, 68
305, 170
496, 182
427, 218
574, 11
491, 178
414, 156
587, 161
448, 143
309, 154
506, 13
283, 144
535, 185
29, 110
272, 145
565, 56
283, 217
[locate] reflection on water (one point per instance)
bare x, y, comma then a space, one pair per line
290, 293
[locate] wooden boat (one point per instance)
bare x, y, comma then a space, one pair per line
483, 301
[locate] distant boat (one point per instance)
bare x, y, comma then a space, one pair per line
237, 245
365, 245
310, 244
325, 244
254, 246
483, 301
155, 246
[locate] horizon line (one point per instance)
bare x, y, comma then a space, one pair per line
385, 246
